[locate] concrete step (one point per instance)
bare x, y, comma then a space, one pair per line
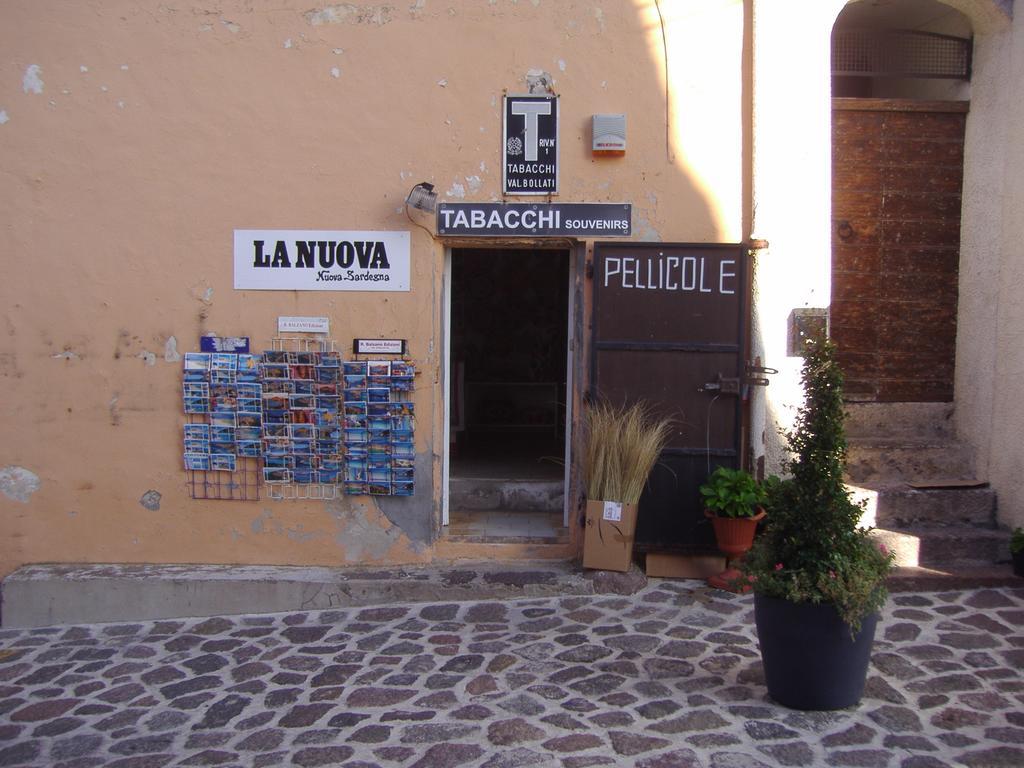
878, 460
45, 595
945, 548
948, 579
915, 421
901, 506
507, 494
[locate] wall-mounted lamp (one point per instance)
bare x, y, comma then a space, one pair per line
422, 197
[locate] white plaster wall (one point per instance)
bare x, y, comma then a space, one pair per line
791, 196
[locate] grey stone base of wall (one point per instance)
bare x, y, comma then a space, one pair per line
45, 595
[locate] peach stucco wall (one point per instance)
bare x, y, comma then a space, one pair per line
136, 136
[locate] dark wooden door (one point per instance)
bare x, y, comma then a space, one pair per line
669, 330
897, 169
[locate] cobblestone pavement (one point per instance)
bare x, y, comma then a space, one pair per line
669, 677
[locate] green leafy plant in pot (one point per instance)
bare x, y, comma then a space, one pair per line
1017, 551
734, 502
623, 444
818, 578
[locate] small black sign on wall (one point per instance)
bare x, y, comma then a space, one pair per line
530, 150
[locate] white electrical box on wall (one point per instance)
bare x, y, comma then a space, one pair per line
609, 135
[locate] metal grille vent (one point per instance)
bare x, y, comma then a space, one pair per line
900, 53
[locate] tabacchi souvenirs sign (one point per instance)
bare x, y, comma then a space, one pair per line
321, 260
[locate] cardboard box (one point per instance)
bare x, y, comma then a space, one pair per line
673, 566
608, 536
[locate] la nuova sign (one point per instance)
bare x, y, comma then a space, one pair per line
321, 260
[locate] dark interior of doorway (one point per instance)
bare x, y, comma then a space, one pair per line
509, 320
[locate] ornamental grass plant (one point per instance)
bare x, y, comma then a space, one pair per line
812, 548
623, 444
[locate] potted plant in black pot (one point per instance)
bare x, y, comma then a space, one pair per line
734, 502
818, 578
1017, 551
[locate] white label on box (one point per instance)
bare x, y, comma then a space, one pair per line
612, 511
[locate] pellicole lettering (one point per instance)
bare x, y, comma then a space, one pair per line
699, 274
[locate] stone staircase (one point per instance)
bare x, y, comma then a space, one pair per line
920, 487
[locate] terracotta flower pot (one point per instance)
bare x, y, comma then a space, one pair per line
734, 536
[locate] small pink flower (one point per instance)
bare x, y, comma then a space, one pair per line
883, 549
778, 566
832, 574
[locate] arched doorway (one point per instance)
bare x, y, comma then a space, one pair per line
901, 89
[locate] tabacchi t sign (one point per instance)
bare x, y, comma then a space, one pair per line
530, 150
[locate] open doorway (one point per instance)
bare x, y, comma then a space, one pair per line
508, 378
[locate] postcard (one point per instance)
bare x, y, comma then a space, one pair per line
278, 387
195, 376
279, 462
275, 356
301, 371
356, 436
250, 448
327, 390
223, 462
402, 423
401, 474
299, 416
303, 388
223, 361
356, 489
196, 389
402, 463
196, 445
378, 451
223, 419
378, 395
305, 476
402, 370
277, 446
275, 371
250, 406
401, 436
378, 472
276, 430
402, 409
378, 381
248, 365
221, 433
329, 432
354, 367
276, 475
303, 358
355, 382
197, 361
328, 403
378, 367
328, 374
302, 446
222, 446
354, 422
197, 431
355, 472
197, 461
403, 450
303, 432
330, 359
330, 464
249, 418
222, 377
355, 451
247, 434
379, 489
277, 417
227, 392
354, 395
305, 462
402, 489
401, 385
328, 447
354, 408
329, 475
378, 423
276, 402
249, 391
197, 405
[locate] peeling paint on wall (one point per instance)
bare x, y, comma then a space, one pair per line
348, 13
171, 354
363, 532
115, 413
147, 357
18, 483
539, 81
32, 82
151, 500
414, 516
3, 116
335, 72
456, 191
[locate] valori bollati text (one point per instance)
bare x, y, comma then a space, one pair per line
366, 254
702, 274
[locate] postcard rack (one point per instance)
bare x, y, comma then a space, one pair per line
299, 421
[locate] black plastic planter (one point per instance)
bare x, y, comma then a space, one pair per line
810, 661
